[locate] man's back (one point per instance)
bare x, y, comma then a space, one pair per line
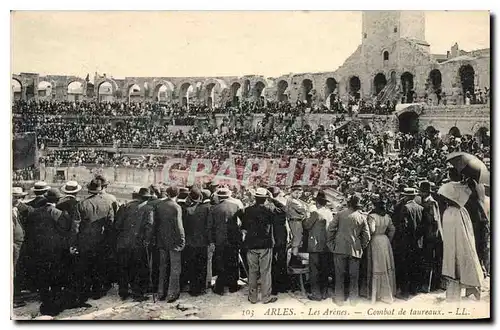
93, 216
224, 223
170, 231
351, 234
257, 221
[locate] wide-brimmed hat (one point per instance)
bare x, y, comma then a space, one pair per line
206, 193
104, 181
409, 192
144, 193
261, 193
183, 194
71, 187
426, 186
18, 192
41, 186
94, 186
223, 192
53, 195
195, 194
172, 191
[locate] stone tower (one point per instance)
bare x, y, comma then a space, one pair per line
381, 29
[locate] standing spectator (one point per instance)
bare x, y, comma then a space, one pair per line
319, 256
224, 232
17, 195
432, 232
348, 234
461, 266
281, 232
39, 189
296, 212
381, 267
93, 217
196, 229
411, 221
134, 228
171, 242
257, 224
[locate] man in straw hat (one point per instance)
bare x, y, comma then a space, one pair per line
296, 212
171, 242
134, 228
409, 255
224, 233
347, 236
432, 231
18, 239
39, 190
93, 220
319, 255
68, 202
257, 223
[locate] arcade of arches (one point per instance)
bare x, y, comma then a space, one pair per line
235, 93
379, 82
282, 87
105, 92
330, 88
307, 86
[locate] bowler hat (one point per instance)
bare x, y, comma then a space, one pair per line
172, 191
425, 187
104, 182
53, 195
195, 194
206, 194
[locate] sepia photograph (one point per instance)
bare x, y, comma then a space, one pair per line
250, 165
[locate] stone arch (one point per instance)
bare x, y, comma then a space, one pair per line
235, 93
407, 87
16, 89
213, 91
282, 90
75, 90
408, 122
44, 89
185, 93
330, 89
385, 55
111, 88
454, 131
355, 87
466, 75
306, 87
483, 136
435, 83
134, 92
379, 82
163, 91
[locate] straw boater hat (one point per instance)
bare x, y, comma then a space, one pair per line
223, 192
18, 192
41, 186
409, 192
261, 193
71, 187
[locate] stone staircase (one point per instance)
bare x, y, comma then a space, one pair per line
389, 93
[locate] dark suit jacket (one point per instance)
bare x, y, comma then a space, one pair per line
411, 216
257, 220
68, 204
279, 225
223, 224
170, 231
37, 202
93, 219
50, 239
429, 226
196, 225
134, 225
316, 226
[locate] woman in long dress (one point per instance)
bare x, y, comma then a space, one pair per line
381, 269
461, 266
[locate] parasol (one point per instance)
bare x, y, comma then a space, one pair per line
470, 166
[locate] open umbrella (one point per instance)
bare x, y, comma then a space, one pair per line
470, 166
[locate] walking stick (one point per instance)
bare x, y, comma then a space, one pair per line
149, 256
243, 264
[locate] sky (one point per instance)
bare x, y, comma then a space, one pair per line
181, 44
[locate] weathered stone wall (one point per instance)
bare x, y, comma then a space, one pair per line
468, 119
